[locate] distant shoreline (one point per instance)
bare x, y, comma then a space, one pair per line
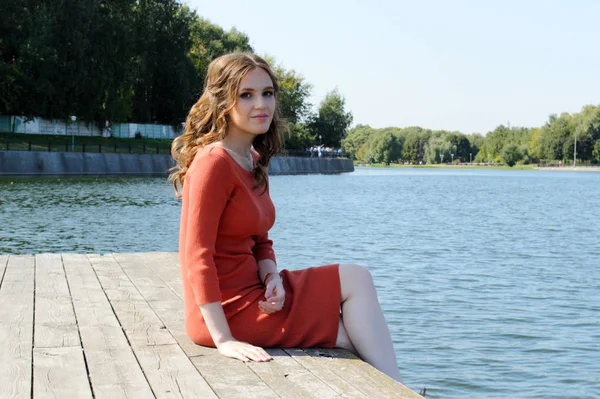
466, 166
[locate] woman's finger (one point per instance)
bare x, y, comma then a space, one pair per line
257, 354
276, 299
270, 306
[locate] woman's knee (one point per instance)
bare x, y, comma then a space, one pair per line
354, 278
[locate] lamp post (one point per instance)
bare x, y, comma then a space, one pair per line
441, 157
73, 119
452, 155
470, 157
575, 151
320, 137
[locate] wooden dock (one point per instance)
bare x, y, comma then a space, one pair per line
111, 326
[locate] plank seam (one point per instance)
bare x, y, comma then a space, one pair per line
87, 370
4, 272
33, 325
121, 326
264, 382
162, 321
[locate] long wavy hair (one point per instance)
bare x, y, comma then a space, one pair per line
208, 119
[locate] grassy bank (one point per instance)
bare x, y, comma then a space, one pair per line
452, 166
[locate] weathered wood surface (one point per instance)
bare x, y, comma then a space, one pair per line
111, 326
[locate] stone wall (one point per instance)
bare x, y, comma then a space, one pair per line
25, 163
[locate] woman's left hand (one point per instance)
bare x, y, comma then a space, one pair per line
274, 295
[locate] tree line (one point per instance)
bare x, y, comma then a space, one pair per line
141, 61
144, 61
550, 143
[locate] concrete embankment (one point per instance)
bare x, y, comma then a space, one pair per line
25, 163
571, 169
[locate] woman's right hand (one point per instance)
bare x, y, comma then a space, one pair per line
243, 351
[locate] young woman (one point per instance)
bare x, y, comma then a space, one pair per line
234, 296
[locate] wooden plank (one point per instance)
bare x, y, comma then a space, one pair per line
322, 370
171, 373
361, 375
168, 370
167, 268
60, 373
113, 369
150, 285
289, 379
55, 324
232, 379
138, 320
16, 327
171, 314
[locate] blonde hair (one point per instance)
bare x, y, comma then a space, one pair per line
208, 119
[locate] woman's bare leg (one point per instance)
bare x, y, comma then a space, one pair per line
363, 325
343, 340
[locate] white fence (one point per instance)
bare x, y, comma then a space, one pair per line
19, 124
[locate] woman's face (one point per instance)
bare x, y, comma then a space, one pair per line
255, 104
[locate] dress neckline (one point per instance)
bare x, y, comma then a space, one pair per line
231, 157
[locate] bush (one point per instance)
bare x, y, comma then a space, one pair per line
511, 154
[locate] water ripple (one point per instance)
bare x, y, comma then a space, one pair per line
488, 279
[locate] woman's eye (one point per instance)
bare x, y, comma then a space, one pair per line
246, 95
268, 93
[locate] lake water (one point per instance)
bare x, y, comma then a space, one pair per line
489, 279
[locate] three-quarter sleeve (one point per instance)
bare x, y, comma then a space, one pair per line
263, 248
209, 187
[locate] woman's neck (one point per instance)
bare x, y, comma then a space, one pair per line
240, 145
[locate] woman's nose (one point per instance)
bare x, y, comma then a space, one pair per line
259, 103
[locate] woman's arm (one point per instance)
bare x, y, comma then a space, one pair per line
227, 345
209, 188
266, 266
274, 291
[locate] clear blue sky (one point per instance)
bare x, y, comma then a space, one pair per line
456, 65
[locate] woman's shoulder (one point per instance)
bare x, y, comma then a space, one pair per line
209, 156
210, 161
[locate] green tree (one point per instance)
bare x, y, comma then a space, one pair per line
586, 130
384, 147
596, 151
332, 120
415, 141
17, 18
355, 143
554, 134
534, 146
476, 141
483, 156
210, 41
437, 150
297, 137
294, 92
461, 144
511, 154
165, 84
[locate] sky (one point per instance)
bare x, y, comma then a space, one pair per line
465, 66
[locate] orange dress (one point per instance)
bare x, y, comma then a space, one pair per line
223, 234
